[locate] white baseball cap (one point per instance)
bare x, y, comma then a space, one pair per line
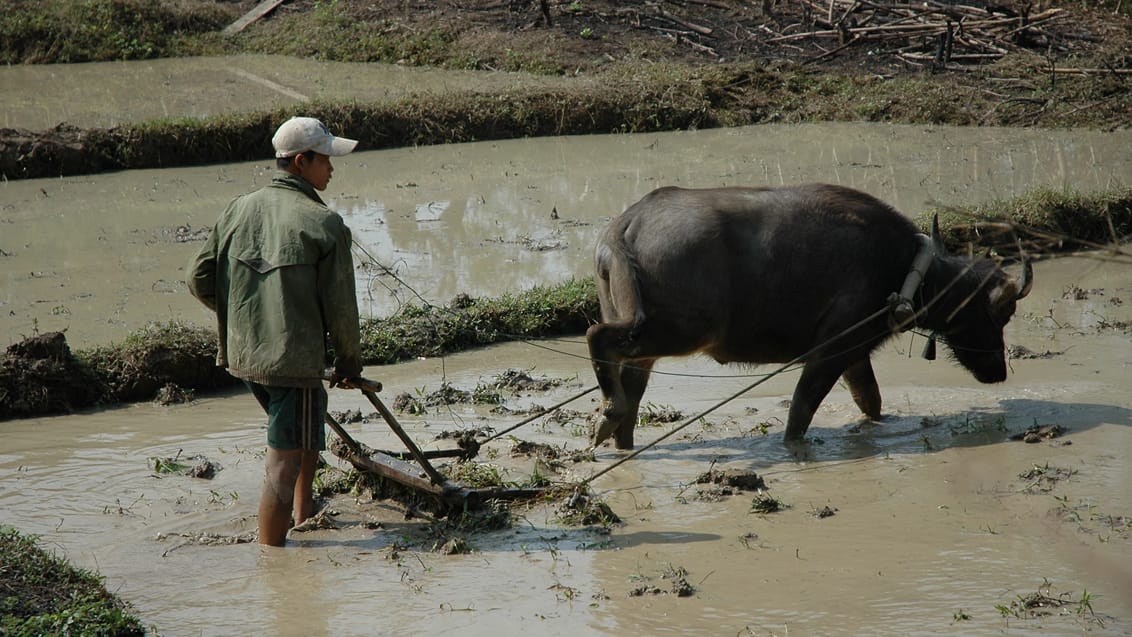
300, 134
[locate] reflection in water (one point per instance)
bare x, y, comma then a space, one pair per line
300, 593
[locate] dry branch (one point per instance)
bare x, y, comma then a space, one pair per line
929, 31
684, 23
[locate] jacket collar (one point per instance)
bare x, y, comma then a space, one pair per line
284, 179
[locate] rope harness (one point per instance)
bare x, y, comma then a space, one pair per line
902, 314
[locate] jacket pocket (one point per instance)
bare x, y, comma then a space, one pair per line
264, 263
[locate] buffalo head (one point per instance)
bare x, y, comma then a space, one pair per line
976, 299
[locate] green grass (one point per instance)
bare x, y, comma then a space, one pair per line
70, 31
416, 331
41, 594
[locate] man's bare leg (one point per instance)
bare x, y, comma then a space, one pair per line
304, 487
282, 472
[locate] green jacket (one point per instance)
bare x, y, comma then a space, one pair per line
278, 272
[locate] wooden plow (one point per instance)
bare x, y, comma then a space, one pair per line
422, 476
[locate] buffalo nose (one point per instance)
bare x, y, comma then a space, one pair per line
992, 373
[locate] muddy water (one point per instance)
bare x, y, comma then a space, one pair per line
932, 525
107, 94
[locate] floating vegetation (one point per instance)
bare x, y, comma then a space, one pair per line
677, 578
1043, 603
195, 466
1020, 352
823, 512
452, 546
512, 381
518, 380
476, 475
171, 394
1044, 478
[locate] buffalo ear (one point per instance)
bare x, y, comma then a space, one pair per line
937, 240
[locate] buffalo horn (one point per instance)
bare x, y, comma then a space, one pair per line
936, 238
929, 348
1026, 281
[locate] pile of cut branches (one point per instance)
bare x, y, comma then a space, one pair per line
940, 35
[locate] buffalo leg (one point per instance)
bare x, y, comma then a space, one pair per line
622, 354
608, 364
863, 387
812, 388
634, 380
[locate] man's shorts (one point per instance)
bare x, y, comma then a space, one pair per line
295, 416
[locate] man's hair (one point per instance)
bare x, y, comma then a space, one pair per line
282, 162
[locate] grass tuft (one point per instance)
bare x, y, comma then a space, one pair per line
41, 594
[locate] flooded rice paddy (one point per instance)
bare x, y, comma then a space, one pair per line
935, 521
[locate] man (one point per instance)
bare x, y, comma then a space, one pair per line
278, 272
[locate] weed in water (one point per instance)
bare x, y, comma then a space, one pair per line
1043, 603
764, 503
652, 415
763, 428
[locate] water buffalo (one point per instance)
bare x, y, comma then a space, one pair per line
814, 272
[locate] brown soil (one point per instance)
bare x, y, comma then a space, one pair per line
836, 36
41, 375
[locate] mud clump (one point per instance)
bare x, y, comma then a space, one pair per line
728, 482
1038, 433
196, 466
734, 478
40, 375
677, 576
582, 509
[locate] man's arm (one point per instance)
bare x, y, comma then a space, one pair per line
339, 303
202, 272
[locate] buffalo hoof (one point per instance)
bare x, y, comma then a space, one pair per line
623, 437
604, 430
797, 445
